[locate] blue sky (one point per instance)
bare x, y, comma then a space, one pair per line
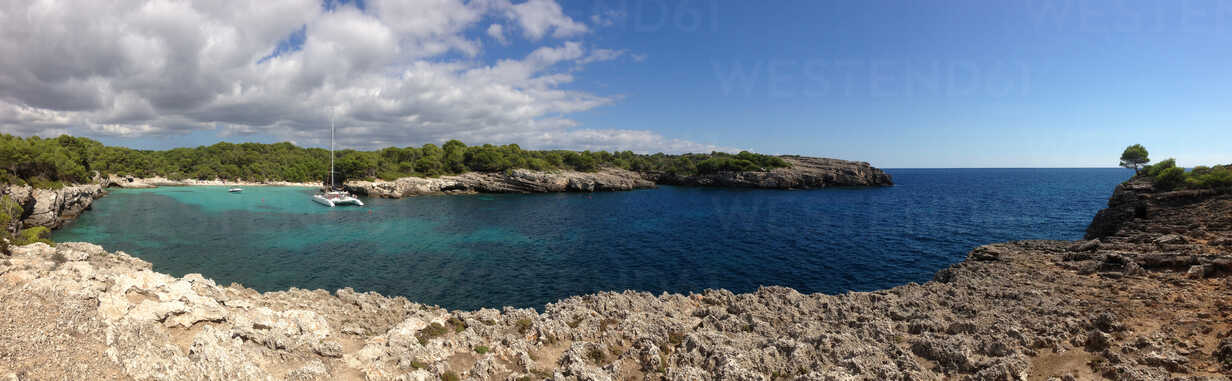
1021, 85
1040, 83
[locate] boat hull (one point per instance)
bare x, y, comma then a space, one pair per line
336, 201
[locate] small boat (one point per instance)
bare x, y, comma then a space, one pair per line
332, 196
235, 190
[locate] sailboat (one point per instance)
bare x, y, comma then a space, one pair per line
332, 196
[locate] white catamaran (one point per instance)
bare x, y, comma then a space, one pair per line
332, 196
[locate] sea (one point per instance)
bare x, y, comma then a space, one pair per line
526, 250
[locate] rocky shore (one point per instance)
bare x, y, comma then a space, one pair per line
50, 207
513, 181
154, 182
1147, 300
804, 173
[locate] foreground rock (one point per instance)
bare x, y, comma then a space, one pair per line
1125, 307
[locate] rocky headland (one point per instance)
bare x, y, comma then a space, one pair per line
804, 173
513, 181
1147, 300
50, 207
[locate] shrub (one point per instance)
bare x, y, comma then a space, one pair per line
43, 183
32, 235
431, 332
482, 349
524, 325
1170, 178
449, 376
1215, 178
1157, 168
458, 324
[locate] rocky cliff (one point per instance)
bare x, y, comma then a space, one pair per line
513, 181
804, 173
51, 207
1150, 300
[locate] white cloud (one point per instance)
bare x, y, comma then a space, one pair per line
536, 17
497, 32
599, 55
154, 67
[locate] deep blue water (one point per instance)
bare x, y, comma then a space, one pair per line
527, 250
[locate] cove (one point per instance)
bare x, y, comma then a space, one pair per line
492, 250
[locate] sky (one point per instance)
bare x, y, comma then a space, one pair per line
900, 84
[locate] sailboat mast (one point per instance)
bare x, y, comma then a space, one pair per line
331, 153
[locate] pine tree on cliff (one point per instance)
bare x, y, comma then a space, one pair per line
1135, 157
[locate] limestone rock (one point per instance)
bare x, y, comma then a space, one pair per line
1088, 245
53, 207
1170, 239
804, 173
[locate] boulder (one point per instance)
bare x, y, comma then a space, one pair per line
1089, 245
1196, 272
1170, 239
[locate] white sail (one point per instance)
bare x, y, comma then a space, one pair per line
332, 197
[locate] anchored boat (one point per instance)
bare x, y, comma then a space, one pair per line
332, 196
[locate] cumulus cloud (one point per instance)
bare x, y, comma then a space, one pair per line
398, 72
497, 32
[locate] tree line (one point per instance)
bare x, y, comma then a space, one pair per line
52, 162
1167, 176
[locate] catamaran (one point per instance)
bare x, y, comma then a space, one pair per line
332, 196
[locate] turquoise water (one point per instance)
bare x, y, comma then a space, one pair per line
526, 250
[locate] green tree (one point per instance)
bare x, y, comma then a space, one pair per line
454, 156
1134, 157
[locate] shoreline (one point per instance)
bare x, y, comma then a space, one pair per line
1034, 310
153, 182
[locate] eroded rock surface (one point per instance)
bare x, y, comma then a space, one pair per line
804, 173
513, 181
51, 207
1121, 308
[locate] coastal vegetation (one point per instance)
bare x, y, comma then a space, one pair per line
1134, 157
53, 162
10, 211
1167, 176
